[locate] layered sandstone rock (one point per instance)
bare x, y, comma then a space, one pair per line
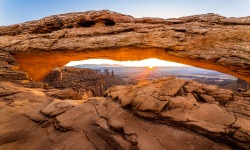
167, 113
208, 38
9, 68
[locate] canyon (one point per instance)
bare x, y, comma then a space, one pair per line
167, 113
84, 81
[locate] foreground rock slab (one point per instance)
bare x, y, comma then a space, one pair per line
164, 119
205, 109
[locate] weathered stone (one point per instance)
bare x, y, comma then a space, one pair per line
152, 104
202, 113
207, 98
187, 102
65, 94
196, 40
222, 95
239, 105
9, 69
193, 86
242, 129
8, 88
246, 94
57, 107
172, 86
102, 123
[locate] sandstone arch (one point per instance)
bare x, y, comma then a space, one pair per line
171, 115
208, 41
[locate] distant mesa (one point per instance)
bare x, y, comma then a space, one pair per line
132, 75
87, 82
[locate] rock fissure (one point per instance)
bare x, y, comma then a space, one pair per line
230, 126
89, 139
211, 146
106, 141
98, 115
48, 134
153, 136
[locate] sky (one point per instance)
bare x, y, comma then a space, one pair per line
151, 62
18, 11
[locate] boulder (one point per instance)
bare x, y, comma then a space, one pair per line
65, 94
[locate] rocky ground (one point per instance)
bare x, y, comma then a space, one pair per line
168, 113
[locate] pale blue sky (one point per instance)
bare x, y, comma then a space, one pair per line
17, 11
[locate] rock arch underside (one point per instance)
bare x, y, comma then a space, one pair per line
168, 113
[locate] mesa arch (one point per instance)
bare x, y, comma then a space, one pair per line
207, 41
39, 65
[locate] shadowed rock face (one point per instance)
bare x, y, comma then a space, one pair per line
211, 39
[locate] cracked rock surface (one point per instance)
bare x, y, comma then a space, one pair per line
150, 115
170, 101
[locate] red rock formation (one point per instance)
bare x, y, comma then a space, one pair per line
9, 68
208, 38
206, 109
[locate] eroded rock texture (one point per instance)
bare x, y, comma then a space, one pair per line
9, 68
205, 109
167, 113
85, 81
208, 38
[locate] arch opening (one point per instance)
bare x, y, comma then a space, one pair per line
101, 74
38, 65
132, 72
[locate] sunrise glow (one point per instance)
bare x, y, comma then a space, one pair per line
150, 66
150, 63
